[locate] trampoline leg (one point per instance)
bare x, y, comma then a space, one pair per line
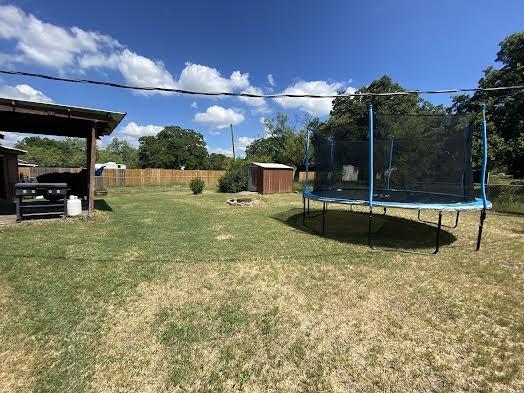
369, 228
304, 211
456, 220
308, 207
481, 225
430, 222
437, 241
324, 208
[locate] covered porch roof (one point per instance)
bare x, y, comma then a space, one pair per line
61, 120
54, 119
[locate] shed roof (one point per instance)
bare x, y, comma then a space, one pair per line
54, 119
11, 150
271, 165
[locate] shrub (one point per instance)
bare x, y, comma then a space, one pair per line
235, 178
196, 185
300, 186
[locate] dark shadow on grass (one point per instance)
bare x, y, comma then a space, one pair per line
7, 208
389, 232
101, 204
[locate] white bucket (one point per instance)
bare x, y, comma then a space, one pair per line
74, 206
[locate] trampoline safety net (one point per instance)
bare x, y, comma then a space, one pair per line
416, 159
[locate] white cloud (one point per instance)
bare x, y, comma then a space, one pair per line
315, 106
23, 92
197, 77
37, 42
219, 150
350, 90
258, 103
141, 71
219, 117
131, 132
75, 50
42, 43
265, 132
271, 80
135, 130
194, 105
137, 70
243, 142
11, 138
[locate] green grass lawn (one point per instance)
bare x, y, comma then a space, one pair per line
167, 291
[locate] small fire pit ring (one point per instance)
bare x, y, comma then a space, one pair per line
240, 202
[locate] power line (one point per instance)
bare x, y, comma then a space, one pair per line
251, 95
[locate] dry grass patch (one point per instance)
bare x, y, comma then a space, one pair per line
18, 353
284, 326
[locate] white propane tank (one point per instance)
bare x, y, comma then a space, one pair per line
74, 206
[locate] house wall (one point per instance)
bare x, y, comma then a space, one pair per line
3, 177
9, 176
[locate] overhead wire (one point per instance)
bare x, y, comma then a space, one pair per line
508, 89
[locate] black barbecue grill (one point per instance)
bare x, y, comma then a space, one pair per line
54, 193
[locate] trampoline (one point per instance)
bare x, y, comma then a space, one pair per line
420, 162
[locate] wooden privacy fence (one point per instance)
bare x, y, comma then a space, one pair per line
143, 177
302, 176
148, 177
41, 170
135, 177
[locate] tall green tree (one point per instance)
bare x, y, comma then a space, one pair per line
67, 152
349, 115
120, 151
218, 162
172, 148
505, 112
283, 143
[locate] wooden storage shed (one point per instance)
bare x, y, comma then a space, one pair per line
8, 172
270, 178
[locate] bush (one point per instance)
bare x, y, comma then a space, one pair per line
196, 185
235, 178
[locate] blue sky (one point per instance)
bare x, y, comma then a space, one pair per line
265, 46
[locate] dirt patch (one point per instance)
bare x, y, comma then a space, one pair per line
224, 237
7, 220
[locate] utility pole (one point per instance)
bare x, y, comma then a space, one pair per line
232, 140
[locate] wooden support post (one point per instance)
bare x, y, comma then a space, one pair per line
91, 160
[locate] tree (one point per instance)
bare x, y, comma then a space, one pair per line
283, 143
120, 151
173, 147
505, 112
263, 150
68, 152
350, 114
218, 162
236, 177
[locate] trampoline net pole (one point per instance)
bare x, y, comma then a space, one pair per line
370, 154
484, 154
307, 159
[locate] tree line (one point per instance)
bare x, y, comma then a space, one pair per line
177, 147
171, 148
